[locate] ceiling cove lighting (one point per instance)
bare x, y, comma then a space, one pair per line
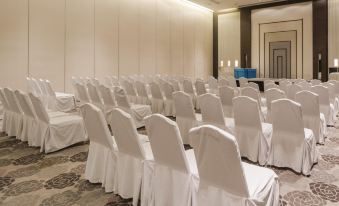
196, 5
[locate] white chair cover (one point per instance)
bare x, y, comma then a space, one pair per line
254, 137
305, 86
83, 93
223, 82
253, 85
102, 154
284, 85
95, 96
57, 132
59, 101
108, 98
14, 125
6, 112
133, 152
169, 109
176, 85
157, 98
293, 145
131, 93
212, 113
228, 181
185, 115
174, 167
292, 90
137, 111
312, 117
200, 87
189, 89
213, 85
142, 93
324, 100
243, 82
226, 96
271, 95
29, 122
255, 94
271, 86
232, 82
315, 82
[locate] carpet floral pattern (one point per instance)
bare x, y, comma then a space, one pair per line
28, 177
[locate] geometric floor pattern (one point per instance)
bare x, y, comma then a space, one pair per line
28, 177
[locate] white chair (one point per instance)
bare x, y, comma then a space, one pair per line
312, 117
95, 96
174, 167
271, 86
176, 85
6, 110
57, 132
315, 82
325, 105
283, 85
271, 95
108, 98
131, 93
14, 126
29, 121
293, 146
189, 89
169, 109
133, 150
226, 96
253, 136
59, 101
229, 181
223, 82
255, 94
213, 85
157, 98
186, 117
102, 153
305, 86
298, 81
143, 96
292, 90
200, 87
137, 111
253, 85
243, 82
232, 82
212, 113
83, 93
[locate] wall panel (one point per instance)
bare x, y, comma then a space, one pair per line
13, 43
79, 42
106, 38
189, 41
163, 37
147, 28
47, 41
128, 37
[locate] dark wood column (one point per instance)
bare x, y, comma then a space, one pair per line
215, 45
245, 37
320, 39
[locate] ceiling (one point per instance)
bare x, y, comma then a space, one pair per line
218, 5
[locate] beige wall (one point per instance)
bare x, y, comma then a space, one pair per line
284, 18
57, 39
333, 29
228, 40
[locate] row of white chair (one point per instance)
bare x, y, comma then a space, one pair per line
137, 167
26, 117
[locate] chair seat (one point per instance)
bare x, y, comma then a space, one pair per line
259, 179
65, 119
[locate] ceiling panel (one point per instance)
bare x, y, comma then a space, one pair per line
218, 5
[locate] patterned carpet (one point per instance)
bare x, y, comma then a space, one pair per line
28, 177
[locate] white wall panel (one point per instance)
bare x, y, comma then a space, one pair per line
200, 56
129, 37
47, 40
106, 37
13, 43
79, 47
189, 41
147, 28
177, 38
163, 37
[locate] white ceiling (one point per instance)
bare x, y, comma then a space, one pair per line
218, 5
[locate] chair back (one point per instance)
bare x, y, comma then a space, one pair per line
226, 96
12, 100
251, 92
94, 94
107, 96
188, 86
211, 110
200, 87
166, 143
141, 89
292, 90
39, 108
273, 94
183, 105
82, 92
315, 82
121, 98
25, 103
210, 144
168, 90
156, 91
243, 81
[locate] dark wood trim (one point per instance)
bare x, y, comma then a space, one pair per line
281, 3
245, 38
215, 46
320, 38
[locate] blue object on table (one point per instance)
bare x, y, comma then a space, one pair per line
247, 73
